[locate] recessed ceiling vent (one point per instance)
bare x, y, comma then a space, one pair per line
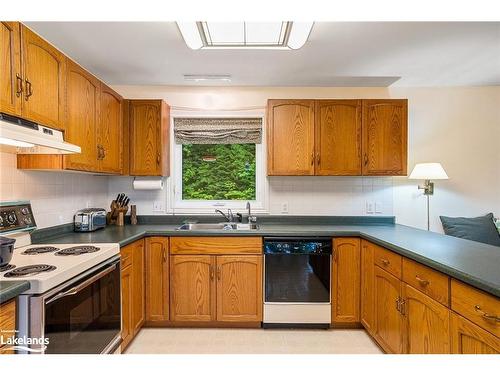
245, 35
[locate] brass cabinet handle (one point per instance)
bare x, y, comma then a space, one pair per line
158, 159
103, 150
366, 158
402, 306
29, 89
318, 159
385, 262
164, 255
312, 158
422, 281
485, 315
219, 272
397, 304
99, 153
211, 272
19, 84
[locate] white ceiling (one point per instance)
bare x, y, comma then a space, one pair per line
336, 54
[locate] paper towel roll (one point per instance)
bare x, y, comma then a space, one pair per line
149, 184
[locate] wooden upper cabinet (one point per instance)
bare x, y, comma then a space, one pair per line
385, 128
110, 131
338, 137
239, 288
427, 323
44, 80
367, 286
149, 137
389, 322
290, 137
83, 103
11, 82
346, 280
468, 338
192, 287
157, 279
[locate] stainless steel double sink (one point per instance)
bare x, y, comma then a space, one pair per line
218, 226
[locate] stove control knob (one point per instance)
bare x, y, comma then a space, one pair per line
25, 211
11, 218
27, 220
1, 220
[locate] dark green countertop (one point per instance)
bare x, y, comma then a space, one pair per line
11, 289
472, 262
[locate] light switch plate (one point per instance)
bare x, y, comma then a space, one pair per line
284, 207
369, 207
378, 207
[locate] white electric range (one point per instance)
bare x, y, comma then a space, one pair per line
73, 304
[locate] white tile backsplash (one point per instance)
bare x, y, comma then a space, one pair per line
54, 196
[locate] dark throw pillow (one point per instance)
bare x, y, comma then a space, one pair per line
480, 229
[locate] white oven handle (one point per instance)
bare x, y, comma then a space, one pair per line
83, 285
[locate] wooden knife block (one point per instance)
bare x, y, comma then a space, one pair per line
117, 214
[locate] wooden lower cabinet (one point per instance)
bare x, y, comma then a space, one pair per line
157, 279
389, 321
367, 296
207, 288
346, 280
427, 323
468, 338
239, 288
192, 283
132, 290
7, 324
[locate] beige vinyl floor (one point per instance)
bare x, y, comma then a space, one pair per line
251, 341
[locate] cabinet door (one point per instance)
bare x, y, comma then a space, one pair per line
157, 279
83, 102
468, 338
10, 69
110, 131
338, 137
385, 137
192, 288
44, 78
389, 322
290, 137
138, 311
7, 324
127, 298
148, 138
367, 286
346, 280
427, 323
239, 288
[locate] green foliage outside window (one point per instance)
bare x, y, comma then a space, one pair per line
218, 172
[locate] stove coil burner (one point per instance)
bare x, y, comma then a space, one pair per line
30, 270
39, 250
77, 250
7, 267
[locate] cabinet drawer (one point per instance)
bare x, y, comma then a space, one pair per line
389, 261
216, 245
477, 306
428, 281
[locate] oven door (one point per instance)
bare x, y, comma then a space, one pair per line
302, 278
85, 317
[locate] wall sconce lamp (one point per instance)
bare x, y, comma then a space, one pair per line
428, 172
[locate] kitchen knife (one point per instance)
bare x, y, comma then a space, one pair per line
125, 202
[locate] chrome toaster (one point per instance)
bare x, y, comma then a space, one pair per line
89, 219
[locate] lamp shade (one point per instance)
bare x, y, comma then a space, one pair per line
428, 171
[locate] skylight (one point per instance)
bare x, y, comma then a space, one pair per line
257, 35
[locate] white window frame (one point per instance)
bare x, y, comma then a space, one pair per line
175, 202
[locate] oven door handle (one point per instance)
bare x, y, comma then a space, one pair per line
86, 283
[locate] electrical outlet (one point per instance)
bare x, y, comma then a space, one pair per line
369, 207
158, 206
378, 207
284, 207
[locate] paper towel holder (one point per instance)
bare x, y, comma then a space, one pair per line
150, 183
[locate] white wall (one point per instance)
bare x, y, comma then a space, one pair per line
459, 127
54, 196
